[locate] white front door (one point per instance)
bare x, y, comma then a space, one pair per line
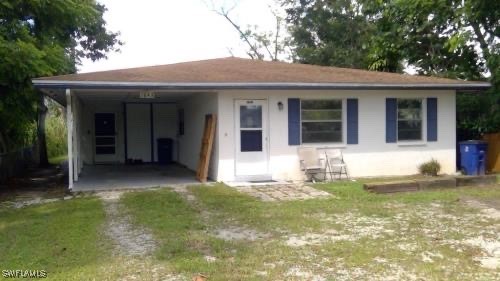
251, 140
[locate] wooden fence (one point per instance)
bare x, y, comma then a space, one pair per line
493, 157
15, 163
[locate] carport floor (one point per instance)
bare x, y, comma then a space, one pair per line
113, 177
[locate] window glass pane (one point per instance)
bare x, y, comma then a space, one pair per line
410, 130
409, 114
313, 132
321, 121
104, 140
321, 104
321, 115
409, 103
104, 150
251, 140
409, 119
104, 124
250, 116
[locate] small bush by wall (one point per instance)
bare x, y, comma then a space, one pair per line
430, 168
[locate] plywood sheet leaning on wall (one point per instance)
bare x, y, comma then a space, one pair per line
206, 147
493, 157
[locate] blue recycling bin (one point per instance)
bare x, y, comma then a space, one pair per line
473, 157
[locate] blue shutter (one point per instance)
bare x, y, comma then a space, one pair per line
352, 121
293, 121
432, 134
391, 126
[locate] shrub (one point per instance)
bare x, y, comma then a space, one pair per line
430, 168
55, 129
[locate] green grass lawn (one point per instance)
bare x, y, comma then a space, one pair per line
62, 238
354, 235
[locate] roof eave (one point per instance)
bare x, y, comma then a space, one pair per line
58, 84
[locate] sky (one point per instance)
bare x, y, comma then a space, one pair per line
156, 32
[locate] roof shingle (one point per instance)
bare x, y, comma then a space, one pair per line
239, 70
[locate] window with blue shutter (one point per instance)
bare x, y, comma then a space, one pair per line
432, 119
293, 121
391, 111
321, 121
352, 121
409, 119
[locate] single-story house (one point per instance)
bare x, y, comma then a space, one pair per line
384, 123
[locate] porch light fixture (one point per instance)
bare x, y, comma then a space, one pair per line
280, 106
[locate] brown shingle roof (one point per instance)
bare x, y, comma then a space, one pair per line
238, 70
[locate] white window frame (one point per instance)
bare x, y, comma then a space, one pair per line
343, 119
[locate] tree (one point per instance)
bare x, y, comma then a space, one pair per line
261, 44
454, 39
449, 38
326, 32
43, 38
431, 36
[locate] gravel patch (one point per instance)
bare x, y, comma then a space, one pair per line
128, 239
35, 201
354, 226
439, 227
429, 257
317, 238
303, 274
233, 233
184, 192
32, 200
490, 249
140, 268
486, 210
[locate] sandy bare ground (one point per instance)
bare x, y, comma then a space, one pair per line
489, 208
490, 247
398, 232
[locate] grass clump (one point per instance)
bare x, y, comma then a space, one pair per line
430, 168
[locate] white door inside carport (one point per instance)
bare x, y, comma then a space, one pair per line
139, 132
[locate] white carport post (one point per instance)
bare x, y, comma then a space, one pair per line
75, 107
69, 125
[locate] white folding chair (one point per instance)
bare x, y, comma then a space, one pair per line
311, 163
335, 164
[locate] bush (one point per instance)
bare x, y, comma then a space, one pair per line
430, 168
55, 129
